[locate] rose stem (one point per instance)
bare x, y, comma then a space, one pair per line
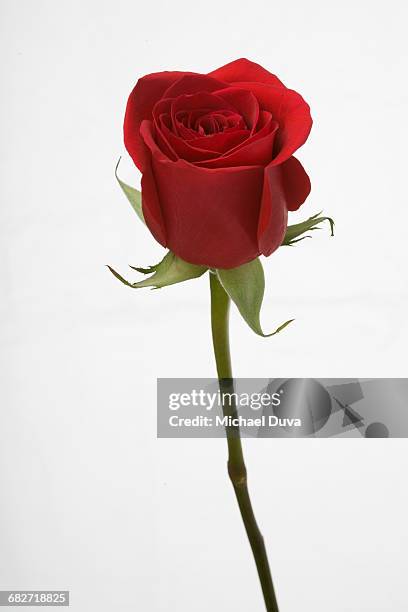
220, 303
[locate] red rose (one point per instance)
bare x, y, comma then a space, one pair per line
216, 154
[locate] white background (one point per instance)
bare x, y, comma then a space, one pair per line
91, 501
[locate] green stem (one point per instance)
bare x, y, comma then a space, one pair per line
220, 303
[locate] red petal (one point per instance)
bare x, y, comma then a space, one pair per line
150, 199
291, 112
244, 101
296, 183
244, 70
254, 152
200, 100
191, 83
147, 91
201, 148
273, 214
211, 216
265, 126
222, 141
182, 148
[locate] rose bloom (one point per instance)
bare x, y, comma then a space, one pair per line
216, 155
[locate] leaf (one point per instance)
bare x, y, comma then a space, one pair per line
294, 231
133, 195
169, 271
245, 286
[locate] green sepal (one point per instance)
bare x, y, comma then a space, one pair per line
133, 195
148, 270
169, 271
294, 231
245, 286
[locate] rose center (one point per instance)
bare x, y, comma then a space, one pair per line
207, 123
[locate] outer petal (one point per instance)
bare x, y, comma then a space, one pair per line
290, 110
296, 183
273, 214
192, 83
152, 211
244, 70
211, 216
286, 187
147, 91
